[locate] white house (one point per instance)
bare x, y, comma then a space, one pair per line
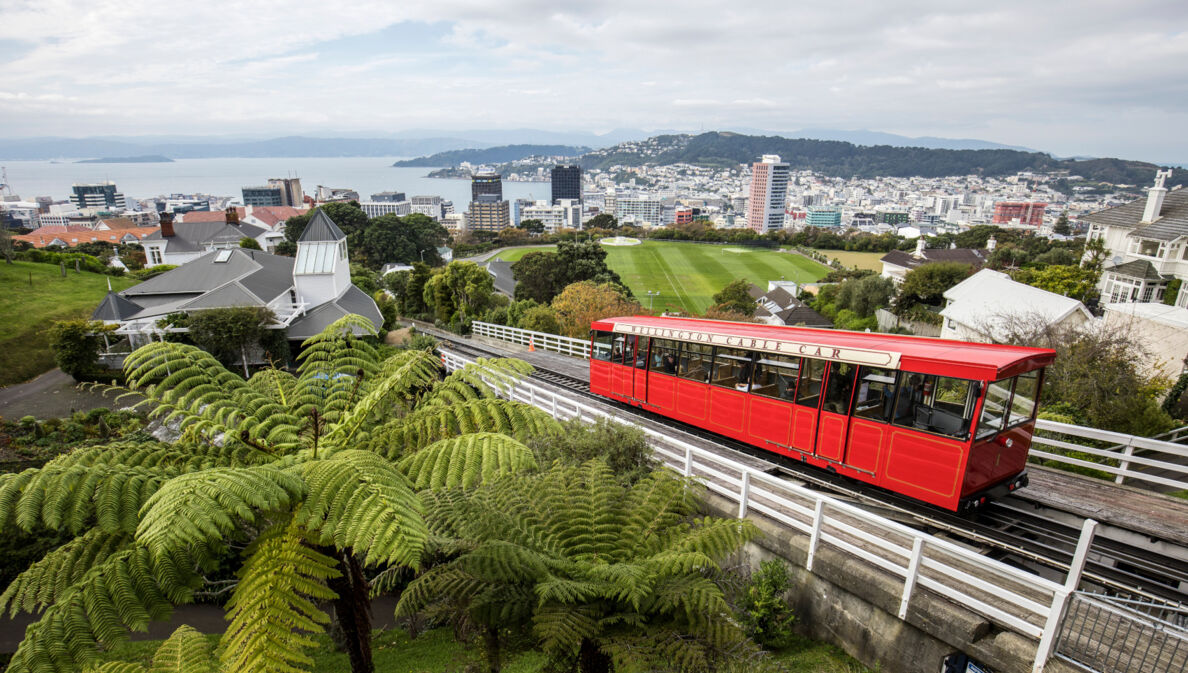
1162, 329
987, 305
1146, 245
897, 263
180, 242
306, 294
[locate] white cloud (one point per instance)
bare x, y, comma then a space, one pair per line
1075, 77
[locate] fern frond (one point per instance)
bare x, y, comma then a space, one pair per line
359, 501
42, 583
73, 497
467, 461
485, 377
275, 606
117, 667
277, 384
426, 425
561, 629
124, 592
202, 506
186, 651
398, 378
715, 538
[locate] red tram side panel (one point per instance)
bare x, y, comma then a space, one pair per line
945, 422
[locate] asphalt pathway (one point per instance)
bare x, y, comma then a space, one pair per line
53, 395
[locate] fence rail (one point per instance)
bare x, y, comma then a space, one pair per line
1153, 462
1140, 641
1010, 597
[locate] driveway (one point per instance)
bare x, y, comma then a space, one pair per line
53, 395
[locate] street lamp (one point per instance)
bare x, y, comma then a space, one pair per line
422, 256
650, 296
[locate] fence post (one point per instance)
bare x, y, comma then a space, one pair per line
909, 583
744, 494
688, 461
532, 396
1059, 607
1125, 464
553, 407
818, 516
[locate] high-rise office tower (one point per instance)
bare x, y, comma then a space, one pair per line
769, 190
567, 183
99, 195
291, 194
486, 182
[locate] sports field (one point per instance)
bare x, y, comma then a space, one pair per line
687, 275
860, 260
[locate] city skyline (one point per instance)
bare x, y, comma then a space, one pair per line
1099, 78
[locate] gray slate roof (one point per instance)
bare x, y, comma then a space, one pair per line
196, 236
972, 256
1139, 268
353, 300
321, 228
1171, 224
115, 308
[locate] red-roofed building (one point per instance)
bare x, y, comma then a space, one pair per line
69, 236
1019, 213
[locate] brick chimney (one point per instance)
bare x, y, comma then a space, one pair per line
167, 225
232, 216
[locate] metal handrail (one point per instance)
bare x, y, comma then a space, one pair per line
1041, 602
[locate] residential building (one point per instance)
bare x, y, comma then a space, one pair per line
897, 263
1026, 214
642, 210
98, 196
330, 194
823, 216
388, 197
377, 208
769, 192
181, 242
571, 213
565, 215
486, 182
566, 183
1161, 329
455, 223
68, 236
306, 293
682, 215
1146, 244
779, 306
989, 306
263, 196
488, 214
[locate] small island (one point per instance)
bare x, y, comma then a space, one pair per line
146, 159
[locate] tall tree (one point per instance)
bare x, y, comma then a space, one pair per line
584, 302
586, 260
1061, 227
602, 221
316, 473
735, 298
539, 276
532, 226
926, 285
460, 291
604, 576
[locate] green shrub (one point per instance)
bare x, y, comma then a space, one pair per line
624, 448
765, 614
75, 344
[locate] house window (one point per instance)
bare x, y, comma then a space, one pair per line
1149, 248
155, 256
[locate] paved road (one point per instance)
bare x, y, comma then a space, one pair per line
52, 395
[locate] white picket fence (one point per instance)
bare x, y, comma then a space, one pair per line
1011, 598
1140, 459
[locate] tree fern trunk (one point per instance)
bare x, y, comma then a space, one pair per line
352, 613
591, 659
494, 652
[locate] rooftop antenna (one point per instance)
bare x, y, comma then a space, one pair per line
5, 188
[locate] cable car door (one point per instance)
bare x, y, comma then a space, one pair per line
639, 372
622, 357
808, 403
833, 418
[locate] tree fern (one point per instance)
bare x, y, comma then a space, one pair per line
466, 461
485, 377
186, 651
360, 501
274, 607
434, 423
44, 581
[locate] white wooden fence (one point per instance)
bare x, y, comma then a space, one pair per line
1012, 598
1151, 462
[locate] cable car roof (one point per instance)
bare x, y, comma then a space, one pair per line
926, 355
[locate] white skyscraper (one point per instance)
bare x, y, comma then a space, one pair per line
769, 190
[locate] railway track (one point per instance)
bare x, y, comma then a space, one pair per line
1010, 530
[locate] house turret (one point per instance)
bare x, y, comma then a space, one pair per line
321, 272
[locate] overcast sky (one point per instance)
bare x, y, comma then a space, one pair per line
1073, 78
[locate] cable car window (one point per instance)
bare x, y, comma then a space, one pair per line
775, 376
664, 356
696, 361
937, 404
618, 343
840, 387
602, 344
811, 373
733, 368
876, 393
1023, 402
635, 353
994, 410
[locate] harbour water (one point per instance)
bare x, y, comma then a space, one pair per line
226, 177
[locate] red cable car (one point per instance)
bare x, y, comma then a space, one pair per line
946, 422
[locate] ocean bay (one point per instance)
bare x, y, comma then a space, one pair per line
227, 176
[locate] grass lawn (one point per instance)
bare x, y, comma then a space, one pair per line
860, 260
394, 652
27, 309
688, 275
514, 254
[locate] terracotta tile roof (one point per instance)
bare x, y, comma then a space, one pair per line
271, 216
119, 223
73, 235
209, 215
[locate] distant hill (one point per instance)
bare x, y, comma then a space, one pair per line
143, 159
494, 155
845, 160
